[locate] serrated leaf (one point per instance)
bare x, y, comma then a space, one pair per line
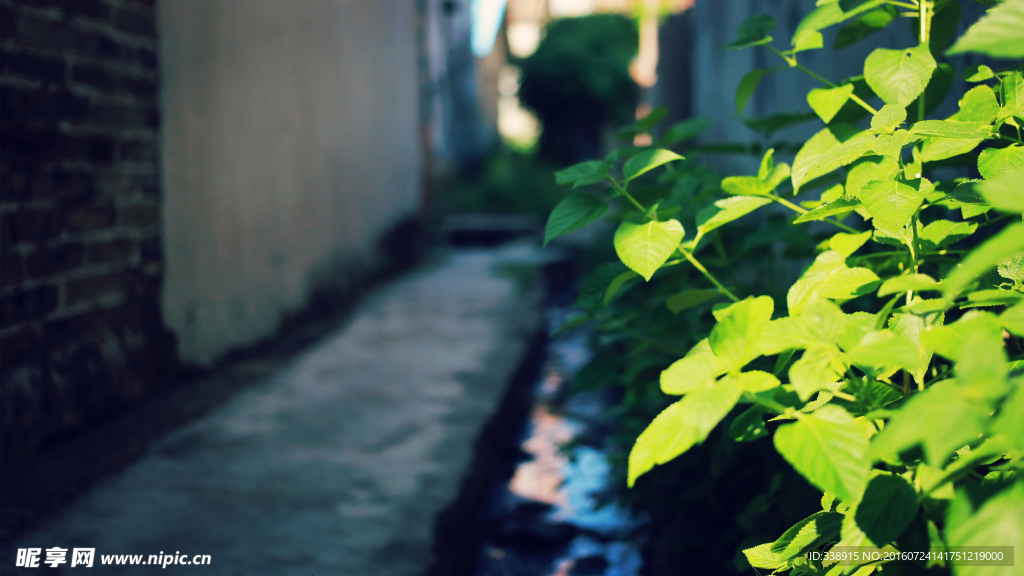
995, 161
848, 283
943, 233
977, 105
749, 425
865, 26
881, 349
889, 118
726, 210
645, 247
581, 170
839, 156
978, 73
834, 208
1013, 320
689, 298
753, 31
888, 507
999, 521
814, 530
915, 282
952, 129
829, 448
734, 338
893, 203
846, 244
691, 373
682, 425
935, 149
996, 34
1004, 192
815, 370
574, 212
826, 15
761, 556
826, 102
891, 145
986, 257
815, 147
1011, 93
993, 297
1012, 268
948, 340
899, 76
827, 498
941, 419
647, 161
869, 169
747, 86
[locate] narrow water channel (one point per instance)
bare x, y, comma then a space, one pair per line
556, 515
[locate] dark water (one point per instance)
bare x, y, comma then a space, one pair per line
556, 515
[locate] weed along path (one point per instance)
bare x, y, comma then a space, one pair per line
338, 463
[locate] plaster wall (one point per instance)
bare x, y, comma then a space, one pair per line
289, 147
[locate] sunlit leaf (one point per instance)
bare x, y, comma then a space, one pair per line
826, 102
893, 203
899, 76
915, 282
887, 508
986, 257
829, 448
647, 161
726, 210
996, 34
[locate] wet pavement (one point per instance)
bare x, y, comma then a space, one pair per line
337, 463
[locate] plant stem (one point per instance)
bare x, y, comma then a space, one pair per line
709, 276
800, 210
622, 190
925, 18
906, 5
794, 64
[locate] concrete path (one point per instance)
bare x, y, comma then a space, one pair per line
339, 463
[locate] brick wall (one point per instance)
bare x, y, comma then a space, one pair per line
80, 326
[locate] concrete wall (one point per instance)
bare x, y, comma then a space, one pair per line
290, 146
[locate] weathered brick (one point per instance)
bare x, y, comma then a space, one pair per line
43, 68
119, 250
52, 261
90, 218
100, 78
93, 288
142, 215
27, 305
28, 226
12, 269
69, 188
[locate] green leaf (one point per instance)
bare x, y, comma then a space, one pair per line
753, 31
949, 340
726, 210
941, 419
583, 169
645, 247
887, 508
899, 76
996, 34
978, 73
761, 556
691, 373
881, 350
574, 212
891, 145
815, 370
888, 119
1011, 94
848, 283
915, 282
615, 285
952, 129
1013, 320
647, 161
1010, 417
828, 14
689, 298
978, 105
745, 186
768, 125
682, 425
826, 102
865, 26
734, 338
683, 131
812, 150
749, 425
943, 233
807, 40
1004, 192
869, 169
756, 381
934, 149
596, 283
829, 448
995, 161
893, 203
834, 208
812, 531
985, 257
1012, 268
846, 244
747, 86
998, 522
841, 155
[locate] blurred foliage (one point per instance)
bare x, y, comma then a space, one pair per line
509, 182
578, 80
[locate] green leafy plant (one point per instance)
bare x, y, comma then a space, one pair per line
889, 371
